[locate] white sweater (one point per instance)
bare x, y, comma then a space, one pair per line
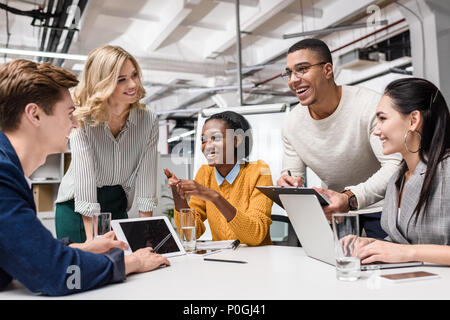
341, 149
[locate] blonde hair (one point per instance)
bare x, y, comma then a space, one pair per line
98, 82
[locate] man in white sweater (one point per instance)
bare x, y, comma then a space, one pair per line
331, 132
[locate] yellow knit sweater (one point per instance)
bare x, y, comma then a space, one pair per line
251, 224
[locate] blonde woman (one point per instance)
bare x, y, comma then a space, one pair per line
114, 148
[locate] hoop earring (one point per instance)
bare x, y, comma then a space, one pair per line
406, 137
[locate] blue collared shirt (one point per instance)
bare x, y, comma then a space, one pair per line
231, 176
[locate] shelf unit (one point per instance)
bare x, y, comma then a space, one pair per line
51, 172
45, 183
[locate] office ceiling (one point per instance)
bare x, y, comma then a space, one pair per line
187, 48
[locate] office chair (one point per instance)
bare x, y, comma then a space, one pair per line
291, 239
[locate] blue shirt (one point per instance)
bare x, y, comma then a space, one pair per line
28, 251
231, 176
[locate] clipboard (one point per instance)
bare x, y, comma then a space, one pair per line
273, 192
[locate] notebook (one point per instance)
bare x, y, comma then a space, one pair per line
214, 245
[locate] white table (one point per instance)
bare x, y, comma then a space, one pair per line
272, 273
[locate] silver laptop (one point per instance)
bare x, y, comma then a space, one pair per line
315, 233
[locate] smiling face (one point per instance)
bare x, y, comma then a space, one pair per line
127, 86
309, 87
214, 142
391, 126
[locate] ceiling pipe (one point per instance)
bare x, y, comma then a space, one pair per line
35, 14
342, 47
52, 34
369, 35
70, 34
239, 54
46, 22
59, 22
257, 84
332, 29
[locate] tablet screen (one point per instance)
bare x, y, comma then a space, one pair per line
148, 233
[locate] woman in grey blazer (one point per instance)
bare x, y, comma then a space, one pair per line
414, 120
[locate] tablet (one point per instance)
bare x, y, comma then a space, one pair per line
273, 192
148, 232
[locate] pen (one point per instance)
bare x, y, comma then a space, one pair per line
220, 260
235, 244
290, 175
159, 245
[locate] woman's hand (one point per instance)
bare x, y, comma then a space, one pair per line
101, 244
385, 251
178, 199
349, 245
173, 180
363, 241
144, 260
187, 188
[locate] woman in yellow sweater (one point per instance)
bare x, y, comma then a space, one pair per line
224, 191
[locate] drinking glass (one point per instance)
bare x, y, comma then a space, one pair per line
101, 223
188, 229
346, 234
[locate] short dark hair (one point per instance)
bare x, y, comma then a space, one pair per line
23, 82
236, 122
316, 45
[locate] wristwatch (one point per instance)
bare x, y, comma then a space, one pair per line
352, 201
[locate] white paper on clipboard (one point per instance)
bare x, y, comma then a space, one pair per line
215, 245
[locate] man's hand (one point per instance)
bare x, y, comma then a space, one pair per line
144, 260
101, 244
338, 202
289, 181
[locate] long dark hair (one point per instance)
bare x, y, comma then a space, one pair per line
412, 94
240, 125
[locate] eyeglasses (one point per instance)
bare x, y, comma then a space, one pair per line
299, 71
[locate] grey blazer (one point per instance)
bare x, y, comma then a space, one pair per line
431, 228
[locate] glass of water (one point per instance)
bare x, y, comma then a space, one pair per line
188, 230
101, 223
346, 234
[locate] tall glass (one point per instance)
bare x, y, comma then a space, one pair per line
346, 234
101, 223
188, 229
